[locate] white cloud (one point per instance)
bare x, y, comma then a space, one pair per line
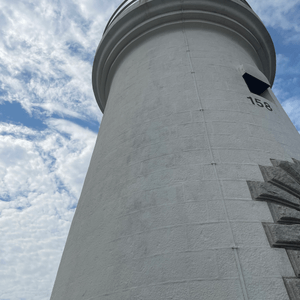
278, 13
41, 177
73, 158
292, 108
46, 55
287, 86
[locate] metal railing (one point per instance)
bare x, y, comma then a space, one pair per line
126, 3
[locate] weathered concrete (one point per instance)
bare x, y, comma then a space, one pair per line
293, 285
282, 179
165, 211
291, 168
283, 214
294, 256
266, 191
281, 186
285, 236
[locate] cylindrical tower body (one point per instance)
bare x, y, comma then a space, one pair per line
166, 211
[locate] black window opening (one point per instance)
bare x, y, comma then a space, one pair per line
258, 87
255, 85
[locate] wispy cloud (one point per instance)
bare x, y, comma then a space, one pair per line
46, 54
41, 177
283, 19
292, 108
278, 13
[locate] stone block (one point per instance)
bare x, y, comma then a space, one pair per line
224, 116
293, 169
170, 239
284, 236
201, 265
191, 129
234, 128
238, 171
259, 262
193, 143
177, 118
234, 156
210, 172
208, 236
293, 287
216, 210
196, 212
260, 157
282, 179
198, 116
195, 157
216, 289
155, 150
283, 214
158, 163
265, 191
154, 180
250, 234
294, 256
225, 141
236, 189
239, 210
220, 104
226, 263
165, 195
202, 190
167, 291
266, 288
150, 218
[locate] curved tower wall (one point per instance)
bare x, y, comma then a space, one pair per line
165, 211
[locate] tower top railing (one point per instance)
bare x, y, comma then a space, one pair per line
126, 3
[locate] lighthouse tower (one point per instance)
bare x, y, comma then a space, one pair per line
193, 188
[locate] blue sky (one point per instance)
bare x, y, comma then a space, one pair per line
49, 121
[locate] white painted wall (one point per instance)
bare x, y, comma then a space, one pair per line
165, 212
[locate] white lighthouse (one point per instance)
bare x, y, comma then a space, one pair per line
193, 190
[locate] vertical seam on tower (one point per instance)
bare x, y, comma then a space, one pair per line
234, 247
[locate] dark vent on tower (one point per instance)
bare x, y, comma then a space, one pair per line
255, 85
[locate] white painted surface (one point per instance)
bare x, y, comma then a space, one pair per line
165, 212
